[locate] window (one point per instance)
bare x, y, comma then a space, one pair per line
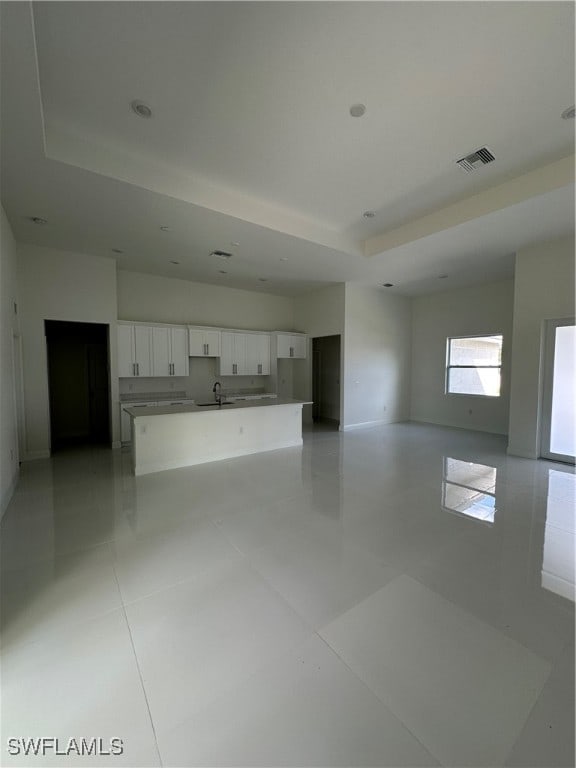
474, 365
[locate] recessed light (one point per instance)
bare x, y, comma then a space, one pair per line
368, 214
141, 109
222, 271
388, 285
357, 110
174, 262
221, 254
164, 229
263, 279
569, 113
283, 258
37, 220
117, 250
442, 277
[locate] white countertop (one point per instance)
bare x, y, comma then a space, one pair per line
161, 410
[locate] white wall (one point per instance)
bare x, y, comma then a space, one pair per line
482, 309
167, 300
376, 356
59, 285
544, 290
8, 328
318, 313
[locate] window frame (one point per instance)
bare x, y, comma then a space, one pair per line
448, 366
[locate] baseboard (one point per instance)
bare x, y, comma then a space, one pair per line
362, 424
7, 495
511, 451
33, 455
456, 426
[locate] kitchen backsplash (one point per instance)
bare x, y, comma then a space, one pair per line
198, 384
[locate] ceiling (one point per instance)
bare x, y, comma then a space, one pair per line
251, 140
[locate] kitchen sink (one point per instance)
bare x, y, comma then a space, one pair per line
215, 405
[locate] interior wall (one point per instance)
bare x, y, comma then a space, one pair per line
544, 290
60, 285
318, 313
167, 300
376, 356
8, 328
482, 309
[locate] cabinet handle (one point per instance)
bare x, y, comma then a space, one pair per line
234, 368
133, 369
259, 367
207, 349
137, 369
170, 369
291, 351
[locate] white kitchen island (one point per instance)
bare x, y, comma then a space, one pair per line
181, 436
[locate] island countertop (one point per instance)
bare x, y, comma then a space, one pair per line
160, 410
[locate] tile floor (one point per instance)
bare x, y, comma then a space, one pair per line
395, 596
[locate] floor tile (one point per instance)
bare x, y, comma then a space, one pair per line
200, 638
462, 688
84, 683
306, 709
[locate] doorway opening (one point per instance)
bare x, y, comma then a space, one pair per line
79, 383
326, 381
558, 436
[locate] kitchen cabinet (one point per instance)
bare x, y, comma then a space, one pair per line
134, 350
232, 354
258, 354
169, 351
244, 354
204, 342
293, 345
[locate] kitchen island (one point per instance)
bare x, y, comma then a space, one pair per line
181, 436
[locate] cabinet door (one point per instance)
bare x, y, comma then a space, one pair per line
264, 356
143, 349
212, 342
161, 361
126, 362
196, 342
179, 351
284, 344
252, 354
299, 344
239, 354
226, 353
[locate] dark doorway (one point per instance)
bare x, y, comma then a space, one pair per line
326, 380
79, 383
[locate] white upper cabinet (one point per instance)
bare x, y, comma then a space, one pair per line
232, 354
291, 345
134, 351
258, 354
204, 342
145, 350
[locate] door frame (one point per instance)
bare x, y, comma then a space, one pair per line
549, 338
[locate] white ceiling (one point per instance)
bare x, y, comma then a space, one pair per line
251, 140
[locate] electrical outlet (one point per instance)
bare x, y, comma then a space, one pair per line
470, 411
241, 430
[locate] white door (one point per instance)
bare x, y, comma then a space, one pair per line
161, 361
263, 355
197, 343
284, 344
299, 346
558, 403
179, 351
126, 362
226, 354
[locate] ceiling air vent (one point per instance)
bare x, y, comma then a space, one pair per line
221, 254
475, 160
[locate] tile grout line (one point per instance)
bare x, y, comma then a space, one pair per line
386, 706
138, 668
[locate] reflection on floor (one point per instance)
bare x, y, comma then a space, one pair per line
394, 596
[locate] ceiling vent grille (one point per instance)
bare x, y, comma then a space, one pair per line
476, 159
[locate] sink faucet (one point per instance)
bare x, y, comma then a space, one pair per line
217, 389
